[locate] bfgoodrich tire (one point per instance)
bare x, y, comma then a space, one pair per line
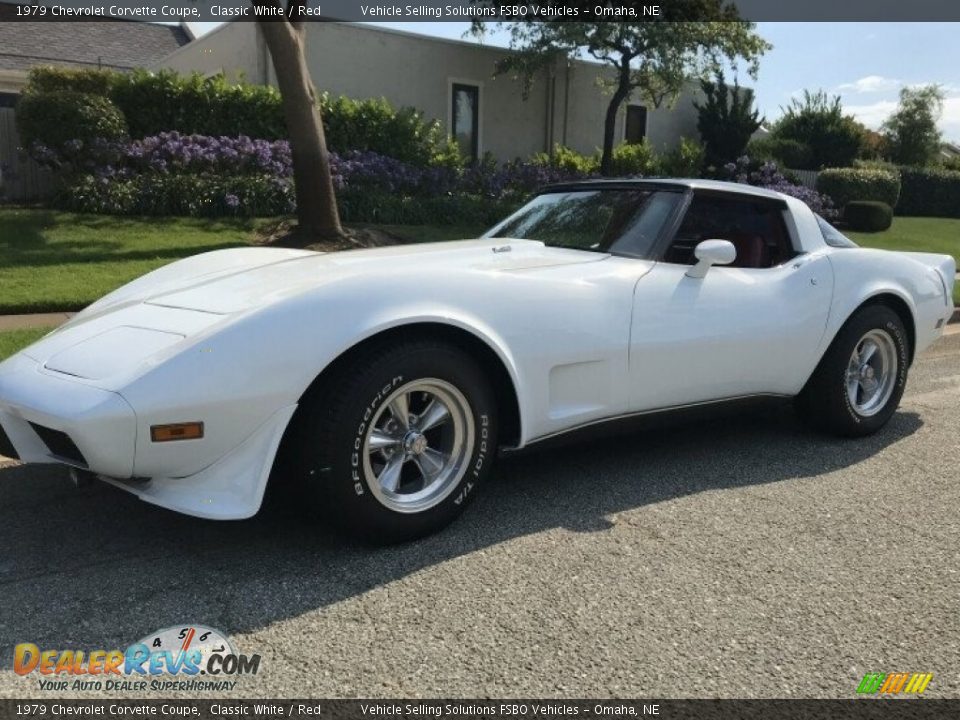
859, 382
396, 445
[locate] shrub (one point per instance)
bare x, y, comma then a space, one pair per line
868, 216
375, 126
875, 164
173, 152
789, 153
165, 101
568, 160
66, 127
846, 185
196, 175
60, 79
178, 193
630, 159
261, 195
952, 163
684, 161
927, 192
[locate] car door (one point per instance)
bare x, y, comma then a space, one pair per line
754, 327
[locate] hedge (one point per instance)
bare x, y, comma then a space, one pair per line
867, 216
202, 195
845, 185
182, 194
929, 193
165, 101
630, 159
68, 123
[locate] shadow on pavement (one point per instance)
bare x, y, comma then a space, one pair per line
96, 568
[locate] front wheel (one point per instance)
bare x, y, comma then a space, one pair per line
396, 447
858, 384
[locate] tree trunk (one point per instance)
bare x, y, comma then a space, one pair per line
317, 212
610, 121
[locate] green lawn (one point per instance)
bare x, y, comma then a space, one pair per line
13, 340
918, 234
52, 261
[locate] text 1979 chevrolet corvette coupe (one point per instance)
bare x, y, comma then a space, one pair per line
386, 379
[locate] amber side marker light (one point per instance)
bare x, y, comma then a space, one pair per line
177, 431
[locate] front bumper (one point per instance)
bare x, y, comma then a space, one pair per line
49, 418
39, 409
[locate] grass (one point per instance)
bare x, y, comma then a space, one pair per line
13, 340
917, 234
52, 261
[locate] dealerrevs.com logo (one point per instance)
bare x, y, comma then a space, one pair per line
187, 657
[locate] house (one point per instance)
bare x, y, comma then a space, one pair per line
115, 44
450, 80
949, 151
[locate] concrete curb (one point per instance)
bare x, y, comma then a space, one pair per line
21, 322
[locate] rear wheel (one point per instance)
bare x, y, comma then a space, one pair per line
858, 384
395, 447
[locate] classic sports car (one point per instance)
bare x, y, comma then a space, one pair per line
385, 380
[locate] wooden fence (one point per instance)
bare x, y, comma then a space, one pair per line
21, 179
807, 178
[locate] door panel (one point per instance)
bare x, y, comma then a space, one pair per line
735, 332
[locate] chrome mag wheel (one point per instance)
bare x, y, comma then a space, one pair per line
872, 373
418, 444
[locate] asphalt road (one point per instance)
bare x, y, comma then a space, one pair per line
730, 558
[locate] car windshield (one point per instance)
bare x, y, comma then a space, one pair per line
624, 221
833, 237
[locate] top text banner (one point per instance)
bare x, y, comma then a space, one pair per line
467, 10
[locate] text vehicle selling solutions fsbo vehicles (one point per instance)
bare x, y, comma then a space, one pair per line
385, 380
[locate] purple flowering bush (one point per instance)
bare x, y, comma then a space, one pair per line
179, 194
200, 175
172, 173
176, 153
768, 176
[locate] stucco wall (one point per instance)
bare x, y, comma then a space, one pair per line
363, 62
233, 49
405, 69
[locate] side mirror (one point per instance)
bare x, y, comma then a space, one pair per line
711, 252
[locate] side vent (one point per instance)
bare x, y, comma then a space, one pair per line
60, 445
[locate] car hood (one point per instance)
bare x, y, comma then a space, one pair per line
156, 316
254, 278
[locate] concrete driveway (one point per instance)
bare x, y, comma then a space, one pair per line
729, 558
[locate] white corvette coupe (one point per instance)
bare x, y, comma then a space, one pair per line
385, 380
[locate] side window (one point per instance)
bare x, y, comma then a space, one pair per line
636, 125
755, 227
465, 119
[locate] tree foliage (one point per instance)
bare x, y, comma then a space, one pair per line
653, 60
817, 121
726, 120
911, 131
